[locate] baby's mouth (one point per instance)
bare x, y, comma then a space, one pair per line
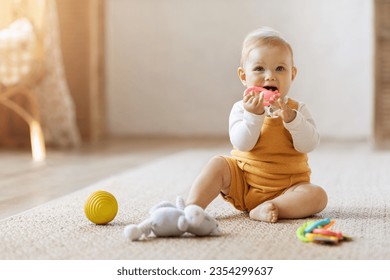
271, 88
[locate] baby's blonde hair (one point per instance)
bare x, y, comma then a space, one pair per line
261, 36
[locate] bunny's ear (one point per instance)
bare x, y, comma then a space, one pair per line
180, 203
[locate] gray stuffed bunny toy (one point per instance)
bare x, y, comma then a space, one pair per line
167, 219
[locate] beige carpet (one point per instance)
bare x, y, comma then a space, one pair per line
357, 181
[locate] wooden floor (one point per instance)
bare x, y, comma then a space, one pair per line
25, 184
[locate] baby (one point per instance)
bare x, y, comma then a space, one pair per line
267, 173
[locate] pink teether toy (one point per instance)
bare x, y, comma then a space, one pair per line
269, 95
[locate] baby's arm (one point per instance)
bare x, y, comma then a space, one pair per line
244, 127
303, 130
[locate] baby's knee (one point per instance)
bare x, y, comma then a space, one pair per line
321, 197
220, 167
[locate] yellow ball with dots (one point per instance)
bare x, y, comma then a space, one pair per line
101, 207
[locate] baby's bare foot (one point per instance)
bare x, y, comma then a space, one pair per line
266, 212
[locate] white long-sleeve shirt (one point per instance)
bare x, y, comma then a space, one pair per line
245, 128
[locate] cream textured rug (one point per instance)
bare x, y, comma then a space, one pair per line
356, 179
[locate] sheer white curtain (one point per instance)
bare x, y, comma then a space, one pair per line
57, 109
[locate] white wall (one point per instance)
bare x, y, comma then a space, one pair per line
171, 64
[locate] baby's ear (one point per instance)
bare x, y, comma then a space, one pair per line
294, 73
241, 75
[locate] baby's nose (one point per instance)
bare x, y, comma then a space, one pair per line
269, 76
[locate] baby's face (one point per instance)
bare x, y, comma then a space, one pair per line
269, 66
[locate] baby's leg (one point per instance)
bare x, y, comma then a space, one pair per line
214, 178
299, 201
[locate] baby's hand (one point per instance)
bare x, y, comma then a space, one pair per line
286, 113
253, 103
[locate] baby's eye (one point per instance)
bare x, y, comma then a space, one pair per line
258, 68
280, 68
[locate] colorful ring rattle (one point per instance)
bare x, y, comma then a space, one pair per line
319, 232
268, 95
